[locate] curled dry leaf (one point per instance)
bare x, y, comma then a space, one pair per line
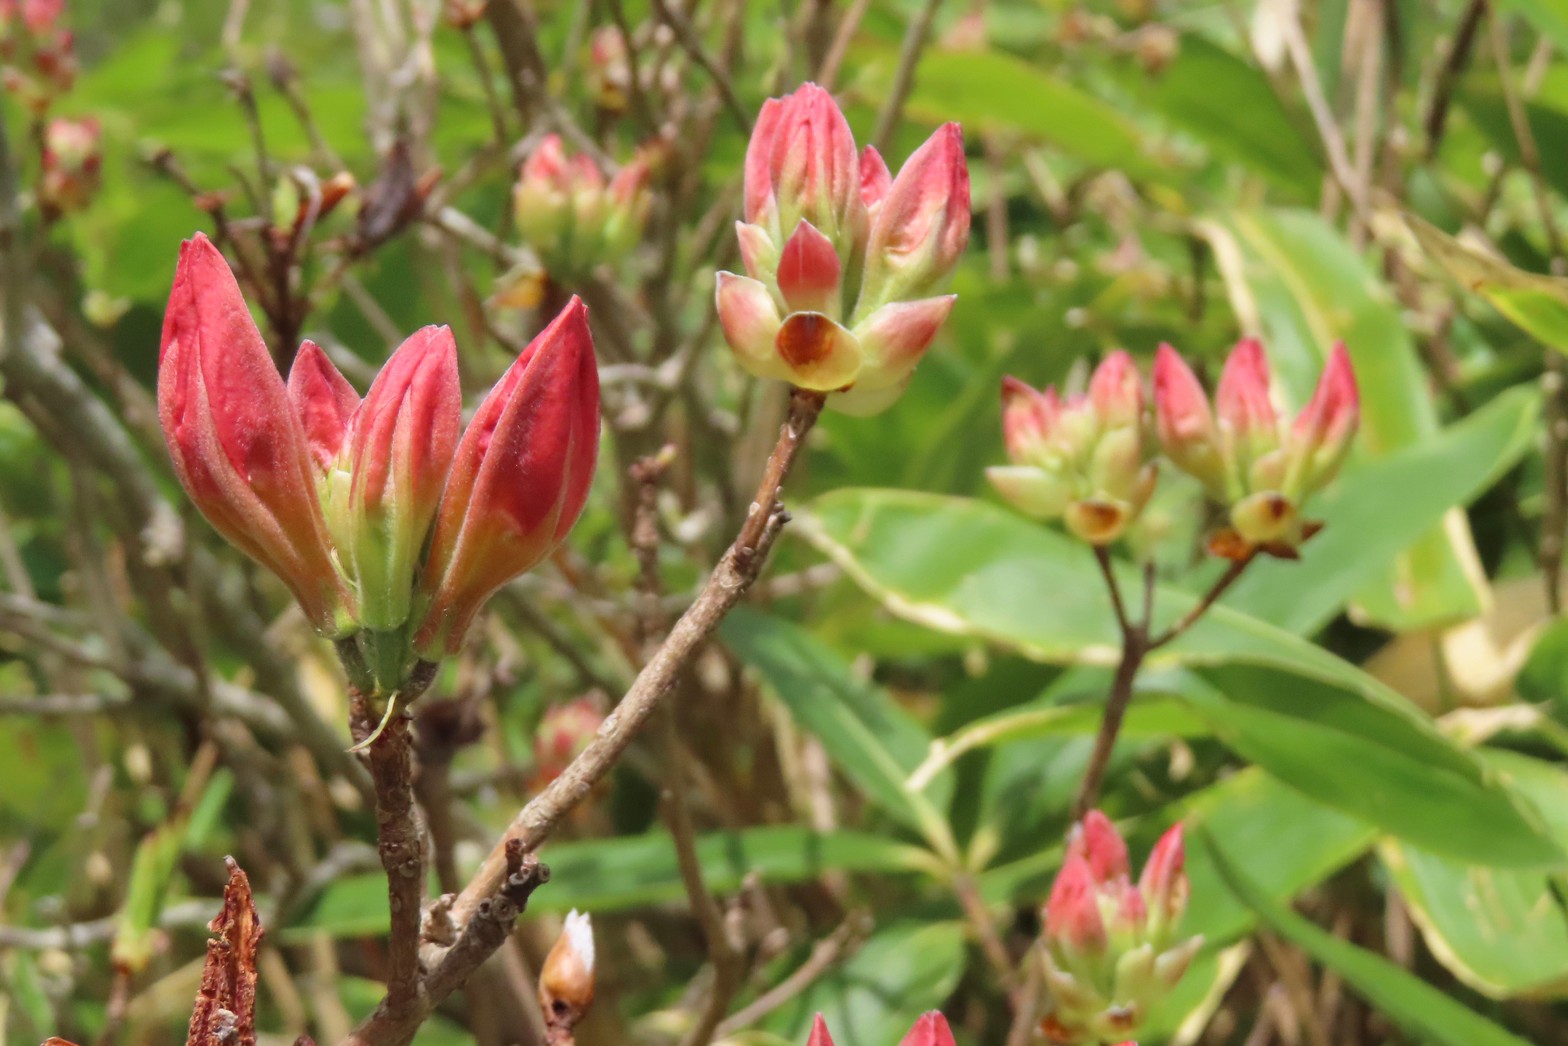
225, 1013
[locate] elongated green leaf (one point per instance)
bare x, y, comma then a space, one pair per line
1198, 92
870, 738
1501, 931
1295, 275
1423, 1011
1547, 17
871, 1000
988, 90
1536, 304
968, 567
636, 871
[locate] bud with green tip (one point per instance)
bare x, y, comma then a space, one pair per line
1243, 452
1109, 948
1084, 460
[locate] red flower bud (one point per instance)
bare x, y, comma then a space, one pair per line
1097, 841
922, 223
324, 401
819, 1033
809, 271
236, 444
875, 178
1243, 399
399, 453
1322, 432
518, 480
1185, 423
1116, 391
930, 1029
1164, 879
1072, 914
72, 160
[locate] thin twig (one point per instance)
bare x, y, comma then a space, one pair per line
825, 954
691, 43
1454, 62
827, 72
904, 77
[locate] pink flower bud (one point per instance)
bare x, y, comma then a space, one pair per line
72, 161
807, 349
922, 223
1164, 879
819, 1033
1185, 424
323, 400
1116, 391
563, 732
1028, 417
875, 178
40, 16
572, 214
399, 453
1243, 400
518, 480
801, 163
930, 1029
1097, 841
1322, 432
236, 444
808, 272
1072, 914
892, 340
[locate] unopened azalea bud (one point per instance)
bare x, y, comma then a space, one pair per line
922, 223
566, 981
1320, 437
398, 455
518, 479
572, 214
1109, 956
609, 70
1083, 461
819, 1033
801, 165
236, 444
563, 732
72, 159
1245, 455
814, 308
39, 52
930, 1029
1185, 423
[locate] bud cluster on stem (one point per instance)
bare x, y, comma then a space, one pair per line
1243, 451
1110, 946
930, 1029
572, 213
390, 523
37, 52
841, 257
1085, 459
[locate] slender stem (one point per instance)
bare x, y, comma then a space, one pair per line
1453, 64
1201, 607
904, 77
991, 944
399, 844
691, 43
1103, 558
1135, 644
724, 588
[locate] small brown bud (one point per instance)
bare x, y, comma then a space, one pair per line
566, 981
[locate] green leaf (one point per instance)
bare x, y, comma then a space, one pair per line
1536, 304
1422, 1011
1294, 276
991, 91
967, 567
1501, 931
1198, 92
1547, 17
1377, 510
636, 871
873, 741
871, 1000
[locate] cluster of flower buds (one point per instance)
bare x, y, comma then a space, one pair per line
840, 256
1245, 454
572, 214
930, 1029
390, 525
1083, 460
1111, 951
72, 159
566, 981
37, 52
